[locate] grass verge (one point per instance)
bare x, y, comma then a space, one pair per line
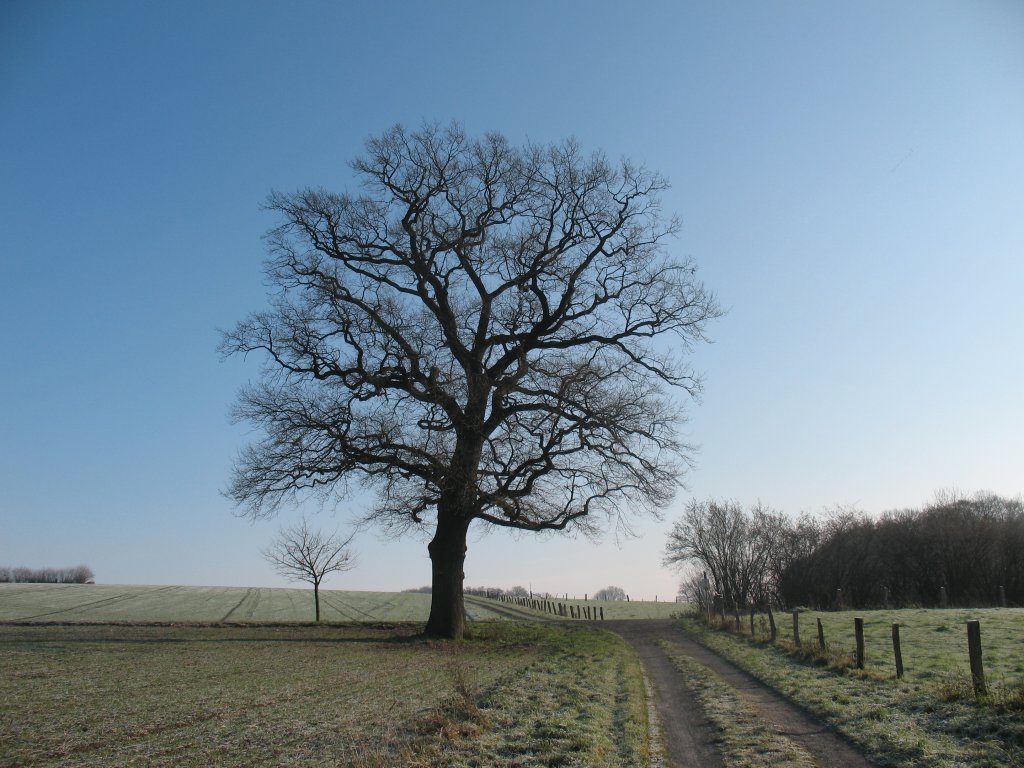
909, 722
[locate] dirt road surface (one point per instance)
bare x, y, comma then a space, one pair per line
689, 737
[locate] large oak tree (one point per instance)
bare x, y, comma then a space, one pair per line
486, 332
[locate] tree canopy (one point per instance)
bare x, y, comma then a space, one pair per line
486, 332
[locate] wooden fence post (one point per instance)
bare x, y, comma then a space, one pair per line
796, 628
839, 599
897, 651
858, 631
943, 597
771, 624
602, 613
821, 635
974, 649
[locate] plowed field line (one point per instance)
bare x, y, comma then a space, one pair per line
97, 603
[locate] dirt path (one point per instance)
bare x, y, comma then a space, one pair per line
687, 733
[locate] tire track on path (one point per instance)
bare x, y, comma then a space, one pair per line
688, 734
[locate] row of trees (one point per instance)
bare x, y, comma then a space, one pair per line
80, 574
963, 547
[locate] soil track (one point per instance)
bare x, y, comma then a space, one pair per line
688, 736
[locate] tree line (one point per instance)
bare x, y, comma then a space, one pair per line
80, 574
956, 550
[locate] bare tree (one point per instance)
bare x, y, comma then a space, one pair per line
303, 554
695, 589
735, 546
486, 333
610, 593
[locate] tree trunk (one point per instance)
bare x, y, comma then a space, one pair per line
447, 557
316, 599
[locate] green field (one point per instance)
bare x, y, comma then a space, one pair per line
930, 717
99, 675
514, 694
933, 642
111, 602
624, 609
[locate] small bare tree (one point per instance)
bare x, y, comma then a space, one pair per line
302, 554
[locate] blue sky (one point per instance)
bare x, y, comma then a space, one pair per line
850, 177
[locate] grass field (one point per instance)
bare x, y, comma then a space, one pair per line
112, 602
933, 642
930, 718
515, 694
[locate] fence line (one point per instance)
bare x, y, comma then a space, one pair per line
973, 644
562, 610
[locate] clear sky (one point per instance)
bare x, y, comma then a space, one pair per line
850, 177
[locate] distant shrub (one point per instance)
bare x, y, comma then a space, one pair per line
80, 574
